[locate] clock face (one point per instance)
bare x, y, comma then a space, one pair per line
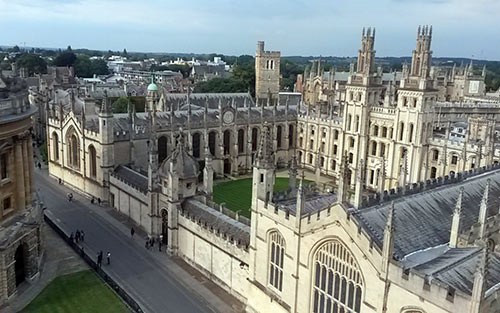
228, 117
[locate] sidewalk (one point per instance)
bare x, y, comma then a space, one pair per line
183, 274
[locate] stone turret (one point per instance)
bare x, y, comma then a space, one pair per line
366, 55
267, 75
263, 170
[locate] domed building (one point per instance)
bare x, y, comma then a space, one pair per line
20, 246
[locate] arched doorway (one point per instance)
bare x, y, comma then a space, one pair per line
227, 166
164, 226
19, 265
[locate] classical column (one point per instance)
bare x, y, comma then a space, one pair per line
27, 166
18, 154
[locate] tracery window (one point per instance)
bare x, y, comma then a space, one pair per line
93, 161
276, 256
337, 281
55, 145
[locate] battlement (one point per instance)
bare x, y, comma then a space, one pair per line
392, 194
261, 52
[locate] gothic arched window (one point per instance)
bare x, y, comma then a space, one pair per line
278, 135
55, 146
254, 138
92, 161
410, 135
73, 151
162, 148
227, 142
196, 145
337, 281
211, 142
241, 141
276, 256
291, 136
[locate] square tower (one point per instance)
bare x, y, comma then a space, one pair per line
267, 75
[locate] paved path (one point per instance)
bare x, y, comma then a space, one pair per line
154, 280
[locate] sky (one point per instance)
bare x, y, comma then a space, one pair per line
461, 28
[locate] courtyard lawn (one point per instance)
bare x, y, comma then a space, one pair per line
81, 292
237, 194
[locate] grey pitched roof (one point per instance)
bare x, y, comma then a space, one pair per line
210, 99
132, 178
423, 220
314, 203
220, 223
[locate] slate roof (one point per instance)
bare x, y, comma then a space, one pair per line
423, 220
132, 178
455, 266
212, 99
314, 203
221, 223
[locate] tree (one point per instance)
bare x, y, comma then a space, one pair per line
84, 67
99, 67
16, 49
121, 105
221, 85
33, 63
69, 48
66, 58
125, 52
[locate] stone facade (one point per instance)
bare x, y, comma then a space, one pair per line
426, 241
20, 247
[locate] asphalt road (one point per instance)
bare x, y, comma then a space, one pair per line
136, 269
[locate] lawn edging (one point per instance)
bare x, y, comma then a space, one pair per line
112, 284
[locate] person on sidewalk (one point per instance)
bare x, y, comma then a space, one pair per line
71, 237
108, 257
92, 200
77, 236
99, 259
132, 231
99, 201
82, 235
159, 245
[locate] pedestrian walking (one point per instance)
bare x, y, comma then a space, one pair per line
152, 241
147, 244
71, 237
159, 245
132, 232
108, 257
60, 181
92, 200
77, 235
39, 165
99, 201
82, 235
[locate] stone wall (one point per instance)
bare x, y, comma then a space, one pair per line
221, 261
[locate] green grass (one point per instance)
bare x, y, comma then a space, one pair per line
237, 194
80, 292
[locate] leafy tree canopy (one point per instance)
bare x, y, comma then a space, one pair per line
84, 67
33, 63
66, 58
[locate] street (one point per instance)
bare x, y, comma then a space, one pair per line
156, 282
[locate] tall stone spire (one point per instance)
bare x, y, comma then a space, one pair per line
483, 211
265, 153
455, 223
479, 286
343, 183
388, 244
300, 202
292, 175
359, 186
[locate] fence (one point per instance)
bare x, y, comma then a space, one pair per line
81, 251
